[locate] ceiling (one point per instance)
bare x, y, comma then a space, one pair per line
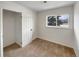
40, 5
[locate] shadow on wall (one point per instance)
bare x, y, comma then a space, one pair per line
76, 44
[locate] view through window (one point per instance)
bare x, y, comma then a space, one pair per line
60, 21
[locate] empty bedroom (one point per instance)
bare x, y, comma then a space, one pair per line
39, 28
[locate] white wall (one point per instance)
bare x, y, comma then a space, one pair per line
12, 28
76, 28
18, 28
25, 12
0, 33
8, 27
58, 35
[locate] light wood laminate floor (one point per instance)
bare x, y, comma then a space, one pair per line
39, 48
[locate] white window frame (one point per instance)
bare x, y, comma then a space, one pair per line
56, 21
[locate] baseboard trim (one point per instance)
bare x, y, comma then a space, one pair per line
76, 52
55, 42
23, 45
18, 44
9, 45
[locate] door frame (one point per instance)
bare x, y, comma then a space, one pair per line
2, 55
1, 32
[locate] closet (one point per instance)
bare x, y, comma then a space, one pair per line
12, 28
15, 27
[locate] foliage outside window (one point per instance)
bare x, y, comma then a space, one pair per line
57, 21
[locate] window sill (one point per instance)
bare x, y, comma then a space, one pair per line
57, 27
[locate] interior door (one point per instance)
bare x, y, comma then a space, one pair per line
26, 30
29, 26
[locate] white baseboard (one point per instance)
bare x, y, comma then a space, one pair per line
23, 45
10, 43
76, 52
19, 43
56, 42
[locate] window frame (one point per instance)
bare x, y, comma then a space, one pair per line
56, 21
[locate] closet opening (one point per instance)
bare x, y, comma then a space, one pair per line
12, 29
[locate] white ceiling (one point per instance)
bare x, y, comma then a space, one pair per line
40, 6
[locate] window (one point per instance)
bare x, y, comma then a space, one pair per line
51, 21
58, 21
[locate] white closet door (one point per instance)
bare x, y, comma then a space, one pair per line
26, 30
29, 26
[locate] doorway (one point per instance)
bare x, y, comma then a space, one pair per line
12, 28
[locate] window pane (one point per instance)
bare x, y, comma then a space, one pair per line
51, 21
62, 21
